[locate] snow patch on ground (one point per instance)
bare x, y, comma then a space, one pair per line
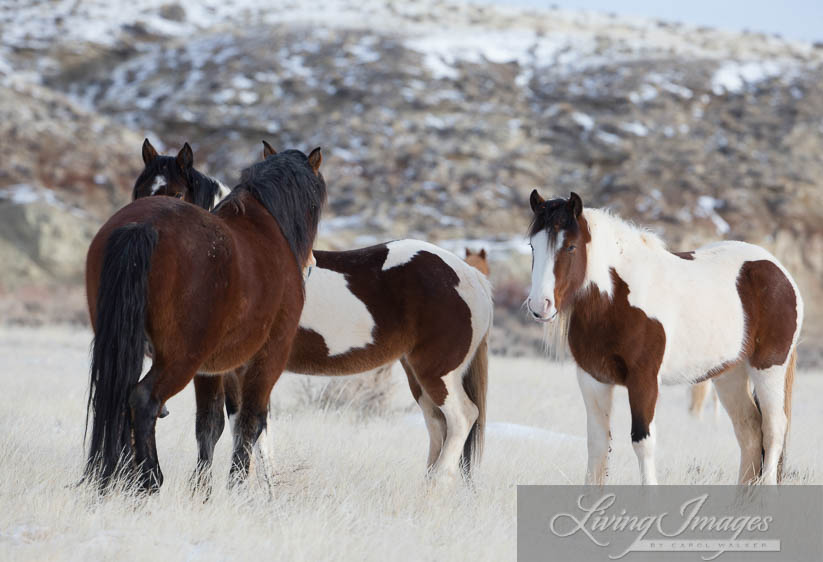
707, 208
732, 77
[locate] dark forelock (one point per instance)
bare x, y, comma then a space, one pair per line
554, 216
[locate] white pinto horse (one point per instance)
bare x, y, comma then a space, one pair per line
637, 315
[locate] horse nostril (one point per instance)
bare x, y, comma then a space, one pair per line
548, 305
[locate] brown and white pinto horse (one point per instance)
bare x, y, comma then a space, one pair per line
207, 293
365, 309
638, 315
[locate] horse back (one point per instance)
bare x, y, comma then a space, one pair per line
392, 298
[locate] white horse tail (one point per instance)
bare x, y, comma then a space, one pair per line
787, 409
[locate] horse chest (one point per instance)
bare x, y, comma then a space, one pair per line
612, 340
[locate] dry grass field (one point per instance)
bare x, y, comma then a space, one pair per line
348, 482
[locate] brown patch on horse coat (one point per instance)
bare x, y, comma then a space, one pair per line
611, 339
617, 343
770, 306
689, 256
434, 339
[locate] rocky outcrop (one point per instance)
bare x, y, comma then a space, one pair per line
64, 171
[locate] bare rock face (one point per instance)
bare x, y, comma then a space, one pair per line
64, 171
47, 140
44, 241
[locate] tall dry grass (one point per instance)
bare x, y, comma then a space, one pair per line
345, 485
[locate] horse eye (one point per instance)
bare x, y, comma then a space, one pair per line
571, 248
178, 195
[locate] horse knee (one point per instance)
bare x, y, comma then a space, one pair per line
144, 408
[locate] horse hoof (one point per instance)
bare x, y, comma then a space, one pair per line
163, 412
200, 483
150, 481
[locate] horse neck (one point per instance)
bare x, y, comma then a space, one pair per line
617, 245
245, 212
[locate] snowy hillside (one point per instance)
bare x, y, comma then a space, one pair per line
436, 120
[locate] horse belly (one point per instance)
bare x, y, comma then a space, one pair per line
334, 326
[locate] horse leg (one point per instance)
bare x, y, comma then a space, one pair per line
209, 424
597, 398
459, 412
233, 383
732, 388
146, 401
769, 387
256, 386
698, 392
642, 401
435, 422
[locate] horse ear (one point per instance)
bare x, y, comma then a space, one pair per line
268, 150
468, 252
535, 200
185, 158
149, 153
315, 158
575, 204
482, 253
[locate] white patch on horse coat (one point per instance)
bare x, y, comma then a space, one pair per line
335, 313
696, 301
222, 192
598, 398
644, 449
158, 184
402, 252
543, 281
460, 414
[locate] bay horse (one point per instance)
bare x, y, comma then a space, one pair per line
634, 314
207, 292
365, 309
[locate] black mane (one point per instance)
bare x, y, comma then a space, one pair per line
291, 192
201, 188
553, 216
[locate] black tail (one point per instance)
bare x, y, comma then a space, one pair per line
119, 346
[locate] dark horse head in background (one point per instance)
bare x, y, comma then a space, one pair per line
176, 177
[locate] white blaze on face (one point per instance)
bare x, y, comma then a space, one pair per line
543, 275
335, 313
159, 183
